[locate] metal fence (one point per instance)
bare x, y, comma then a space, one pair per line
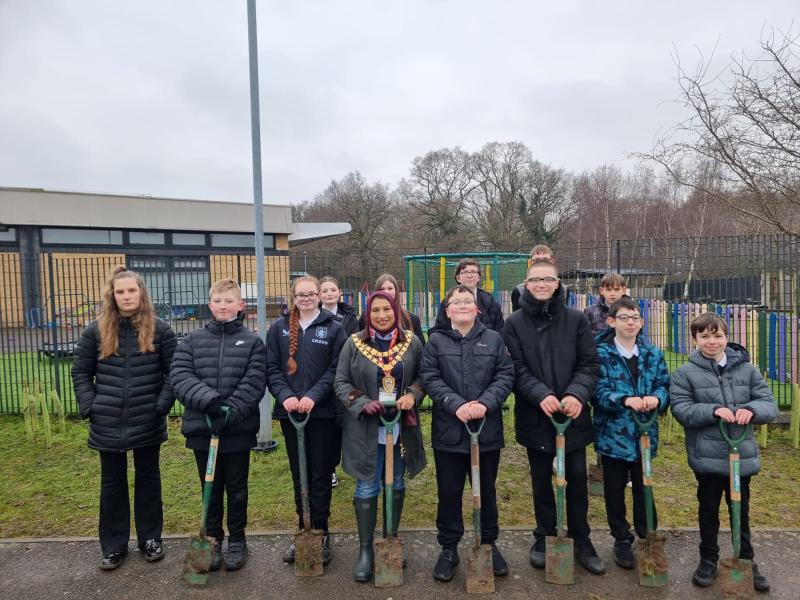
752, 282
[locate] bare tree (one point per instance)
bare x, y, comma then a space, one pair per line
748, 124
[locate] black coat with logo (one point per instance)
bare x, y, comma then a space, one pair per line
125, 396
554, 353
318, 350
221, 363
457, 369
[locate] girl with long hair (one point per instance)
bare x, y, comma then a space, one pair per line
408, 320
302, 353
120, 379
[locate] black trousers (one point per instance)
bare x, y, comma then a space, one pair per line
544, 499
452, 469
709, 493
616, 474
115, 509
320, 443
230, 478
336, 453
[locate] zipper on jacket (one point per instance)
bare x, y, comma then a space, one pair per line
125, 387
219, 358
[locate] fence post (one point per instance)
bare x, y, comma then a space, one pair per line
53, 325
618, 257
795, 421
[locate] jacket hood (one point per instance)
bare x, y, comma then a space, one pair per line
736, 354
217, 327
345, 308
545, 309
477, 329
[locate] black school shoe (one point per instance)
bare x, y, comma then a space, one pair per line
705, 573
623, 554
216, 557
152, 550
236, 557
537, 554
590, 561
499, 564
445, 566
288, 556
760, 583
327, 554
112, 560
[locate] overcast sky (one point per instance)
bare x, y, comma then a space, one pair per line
152, 96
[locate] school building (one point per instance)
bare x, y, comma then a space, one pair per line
58, 248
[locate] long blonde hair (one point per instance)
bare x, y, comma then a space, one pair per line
294, 324
144, 321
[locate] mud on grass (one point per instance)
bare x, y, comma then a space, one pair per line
54, 492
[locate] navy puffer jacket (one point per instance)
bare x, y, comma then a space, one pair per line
457, 369
224, 363
125, 396
318, 350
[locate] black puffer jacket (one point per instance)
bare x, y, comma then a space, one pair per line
346, 315
490, 313
125, 396
553, 353
456, 370
318, 350
222, 362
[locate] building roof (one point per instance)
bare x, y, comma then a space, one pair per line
48, 208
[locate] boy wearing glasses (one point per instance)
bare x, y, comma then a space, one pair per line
468, 374
468, 274
633, 378
556, 368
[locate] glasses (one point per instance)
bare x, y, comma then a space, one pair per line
537, 280
626, 318
470, 273
461, 303
310, 296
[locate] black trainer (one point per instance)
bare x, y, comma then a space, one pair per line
236, 557
153, 550
623, 554
288, 556
705, 573
445, 566
499, 564
537, 554
327, 555
112, 560
760, 583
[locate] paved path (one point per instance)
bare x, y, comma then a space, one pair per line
66, 570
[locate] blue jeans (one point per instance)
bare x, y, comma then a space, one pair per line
372, 488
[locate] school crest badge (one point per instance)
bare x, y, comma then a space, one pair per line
321, 332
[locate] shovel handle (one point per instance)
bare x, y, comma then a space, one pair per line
562, 426
389, 479
299, 422
389, 423
646, 423
733, 442
302, 465
475, 472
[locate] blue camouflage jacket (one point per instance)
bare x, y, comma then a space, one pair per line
616, 433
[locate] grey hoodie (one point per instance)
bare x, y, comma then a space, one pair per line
699, 388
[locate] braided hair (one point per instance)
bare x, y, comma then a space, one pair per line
294, 323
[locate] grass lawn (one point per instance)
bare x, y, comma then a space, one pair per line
54, 492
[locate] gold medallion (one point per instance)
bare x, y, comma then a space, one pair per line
389, 383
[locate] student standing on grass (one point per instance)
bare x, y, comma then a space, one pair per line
408, 320
467, 372
120, 379
329, 299
612, 287
380, 362
222, 366
633, 379
556, 368
468, 273
302, 353
720, 383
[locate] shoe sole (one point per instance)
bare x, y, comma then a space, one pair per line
112, 567
622, 565
152, 559
704, 584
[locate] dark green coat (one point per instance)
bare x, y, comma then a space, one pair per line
360, 439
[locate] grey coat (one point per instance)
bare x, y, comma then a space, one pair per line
699, 388
356, 384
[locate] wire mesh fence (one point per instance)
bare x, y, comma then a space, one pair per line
47, 300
